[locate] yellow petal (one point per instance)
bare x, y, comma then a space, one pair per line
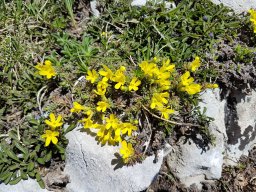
47, 141
59, 118
52, 117
54, 140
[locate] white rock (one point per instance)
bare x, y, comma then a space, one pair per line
168, 5
241, 126
234, 128
190, 162
29, 185
90, 167
138, 2
95, 11
238, 6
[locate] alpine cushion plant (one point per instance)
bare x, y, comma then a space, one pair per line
155, 84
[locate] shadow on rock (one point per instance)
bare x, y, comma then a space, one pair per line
118, 161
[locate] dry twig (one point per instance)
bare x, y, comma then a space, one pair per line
169, 121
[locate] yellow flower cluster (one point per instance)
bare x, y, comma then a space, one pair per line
157, 82
118, 77
253, 18
46, 69
160, 78
109, 129
187, 84
50, 134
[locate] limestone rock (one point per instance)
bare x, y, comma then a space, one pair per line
240, 118
92, 167
29, 185
238, 6
190, 161
234, 128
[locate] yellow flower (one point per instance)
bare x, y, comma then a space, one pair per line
159, 99
211, 86
105, 135
77, 108
253, 18
128, 128
155, 59
103, 34
50, 136
148, 68
54, 123
102, 106
88, 123
165, 112
162, 74
186, 79
126, 151
92, 76
46, 69
164, 84
193, 88
107, 74
119, 77
100, 91
101, 131
117, 137
134, 84
194, 64
112, 121
187, 84
167, 66
101, 87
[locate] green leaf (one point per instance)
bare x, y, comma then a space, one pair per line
6, 181
38, 177
15, 181
2, 167
41, 161
12, 155
13, 135
70, 128
23, 175
20, 147
60, 148
13, 167
32, 174
37, 149
48, 156
5, 175
26, 156
31, 166
33, 155
41, 184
